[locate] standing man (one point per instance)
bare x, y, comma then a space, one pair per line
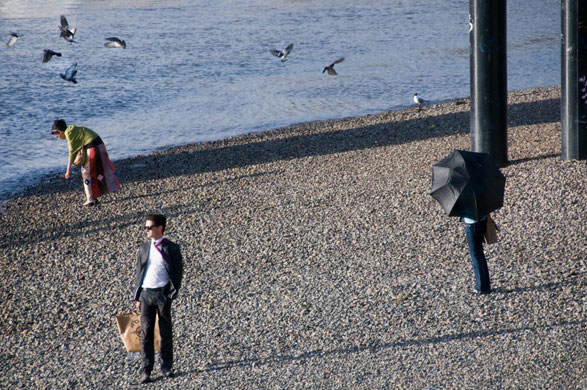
158, 279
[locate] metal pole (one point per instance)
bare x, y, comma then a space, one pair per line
488, 63
574, 80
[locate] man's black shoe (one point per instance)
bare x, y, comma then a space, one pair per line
145, 378
168, 373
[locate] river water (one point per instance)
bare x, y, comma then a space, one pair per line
201, 70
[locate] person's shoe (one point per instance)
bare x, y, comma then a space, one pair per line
481, 292
145, 378
93, 202
168, 373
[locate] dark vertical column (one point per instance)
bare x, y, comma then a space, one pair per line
489, 78
574, 80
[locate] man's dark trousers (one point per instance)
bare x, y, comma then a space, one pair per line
153, 302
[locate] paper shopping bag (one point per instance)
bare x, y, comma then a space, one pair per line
129, 327
490, 236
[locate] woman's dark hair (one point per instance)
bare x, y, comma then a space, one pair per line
157, 219
59, 124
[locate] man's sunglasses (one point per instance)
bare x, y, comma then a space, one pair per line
150, 227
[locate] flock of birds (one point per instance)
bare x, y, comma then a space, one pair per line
68, 33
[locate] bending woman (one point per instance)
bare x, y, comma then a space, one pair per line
97, 169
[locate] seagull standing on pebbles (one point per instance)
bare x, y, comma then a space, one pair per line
66, 32
330, 68
48, 54
13, 38
115, 43
418, 100
282, 54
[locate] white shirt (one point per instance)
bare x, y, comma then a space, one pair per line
156, 275
472, 221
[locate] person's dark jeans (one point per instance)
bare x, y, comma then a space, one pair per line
475, 233
153, 303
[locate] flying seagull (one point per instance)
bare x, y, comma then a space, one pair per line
330, 68
282, 54
13, 38
66, 32
70, 73
115, 43
418, 100
48, 54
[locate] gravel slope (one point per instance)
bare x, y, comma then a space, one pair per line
314, 258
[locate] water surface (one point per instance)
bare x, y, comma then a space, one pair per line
199, 71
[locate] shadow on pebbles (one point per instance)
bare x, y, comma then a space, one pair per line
314, 258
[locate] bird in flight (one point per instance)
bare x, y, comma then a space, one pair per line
330, 68
48, 54
66, 32
283, 53
13, 38
70, 73
115, 43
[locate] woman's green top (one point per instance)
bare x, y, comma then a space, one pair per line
77, 137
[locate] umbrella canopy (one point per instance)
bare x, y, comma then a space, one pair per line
467, 184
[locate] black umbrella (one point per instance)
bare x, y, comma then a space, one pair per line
467, 184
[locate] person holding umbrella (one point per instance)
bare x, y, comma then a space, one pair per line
470, 186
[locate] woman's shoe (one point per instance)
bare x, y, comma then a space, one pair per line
92, 202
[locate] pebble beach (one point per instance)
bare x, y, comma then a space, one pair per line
314, 258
